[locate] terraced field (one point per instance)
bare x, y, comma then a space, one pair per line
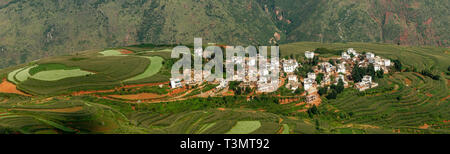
407, 107
64, 74
418, 57
152, 69
101, 95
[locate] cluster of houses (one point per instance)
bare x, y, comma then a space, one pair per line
341, 70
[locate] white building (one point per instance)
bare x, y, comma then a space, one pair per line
312, 75
377, 67
367, 79
351, 51
292, 78
289, 66
308, 83
341, 68
175, 83
327, 67
370, 55
365, 84
387, 62
309, 54
345, 56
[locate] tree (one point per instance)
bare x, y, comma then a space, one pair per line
323, 90
397, 65
319, 78
357, 74
370, 70
340, 86
380, 73
332, 94
298, 91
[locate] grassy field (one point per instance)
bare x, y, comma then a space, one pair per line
152, 69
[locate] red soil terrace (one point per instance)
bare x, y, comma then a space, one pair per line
8, 87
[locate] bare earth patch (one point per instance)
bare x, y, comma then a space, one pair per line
425, 126
8, 87
221, 109
124, 51
407, 82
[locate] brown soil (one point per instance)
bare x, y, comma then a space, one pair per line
315, 102
140, 96
287, 100
301, 103
8, 87
64, 110
445, 98
407, 82
177, 91
124, 51
144, 85
425, 126
221, 109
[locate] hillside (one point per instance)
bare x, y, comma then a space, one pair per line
35, 29
126, 90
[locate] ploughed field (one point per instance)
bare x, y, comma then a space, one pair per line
125, 90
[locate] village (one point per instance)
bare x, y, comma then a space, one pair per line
321, 74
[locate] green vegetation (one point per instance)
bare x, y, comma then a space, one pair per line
152, 69
49, 67
245, 127
55, 75
111, 53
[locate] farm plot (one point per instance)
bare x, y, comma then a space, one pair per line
55, 75
23, 74
408, 106
111, 53
152, 69
20, 75
245, 127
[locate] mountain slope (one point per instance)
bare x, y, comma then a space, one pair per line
35, 29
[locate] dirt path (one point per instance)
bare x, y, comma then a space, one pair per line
8, 87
